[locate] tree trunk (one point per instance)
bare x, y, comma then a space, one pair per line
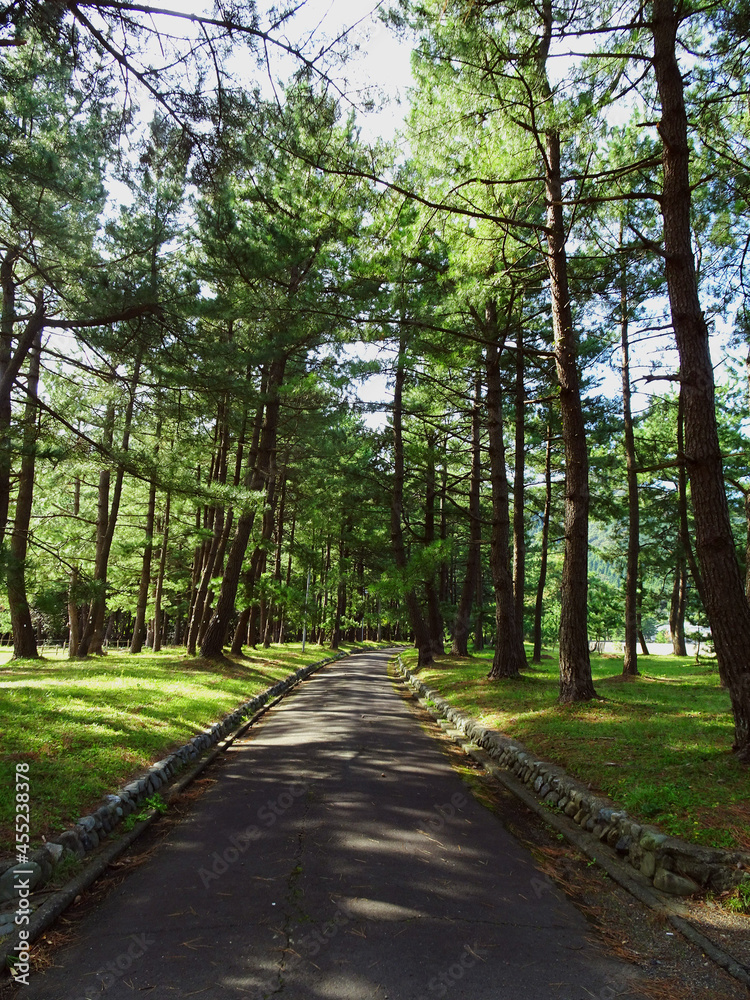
421, 633
74, 632
24, 639
630, 661
158, 612
727, 607
11, 363
542, 582
509, 652
683, 536
434, 616
677, 608
462, 624
519, 485
576, 683
213, 640
341, 595
92, 640
139, 627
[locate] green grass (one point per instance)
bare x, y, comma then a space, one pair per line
87, 727
659, 745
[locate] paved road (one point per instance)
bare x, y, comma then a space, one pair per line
337, 857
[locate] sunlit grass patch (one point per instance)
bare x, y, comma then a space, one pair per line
87, 727
659, 744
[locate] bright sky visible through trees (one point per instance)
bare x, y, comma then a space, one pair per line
467, 369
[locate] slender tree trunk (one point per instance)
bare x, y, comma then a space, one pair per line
684, 534
139, 627
92, 640
7, 321
630, 661
727, 607
639, 615
268, 637
576, 683
509, 652
677, 607
158, 612
24, 639
341, 594
213, 640
74, 632
519, 485
542, 582
434, 616
462, 624
419, 627
479, 611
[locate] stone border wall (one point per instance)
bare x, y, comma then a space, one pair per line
90, 830
671, 865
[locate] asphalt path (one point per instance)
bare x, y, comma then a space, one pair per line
337, 856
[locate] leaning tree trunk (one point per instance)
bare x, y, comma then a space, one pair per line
510, 656
462, 624
24, 639
726, 604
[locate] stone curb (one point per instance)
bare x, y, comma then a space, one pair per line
616, 867
91, 830
671, 865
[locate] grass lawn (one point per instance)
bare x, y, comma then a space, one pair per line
87, 727
658, 745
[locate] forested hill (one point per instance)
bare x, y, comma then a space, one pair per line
199, 261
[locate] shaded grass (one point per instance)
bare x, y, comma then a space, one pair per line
659, 745
86, 727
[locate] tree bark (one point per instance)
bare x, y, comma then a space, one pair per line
726, 604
